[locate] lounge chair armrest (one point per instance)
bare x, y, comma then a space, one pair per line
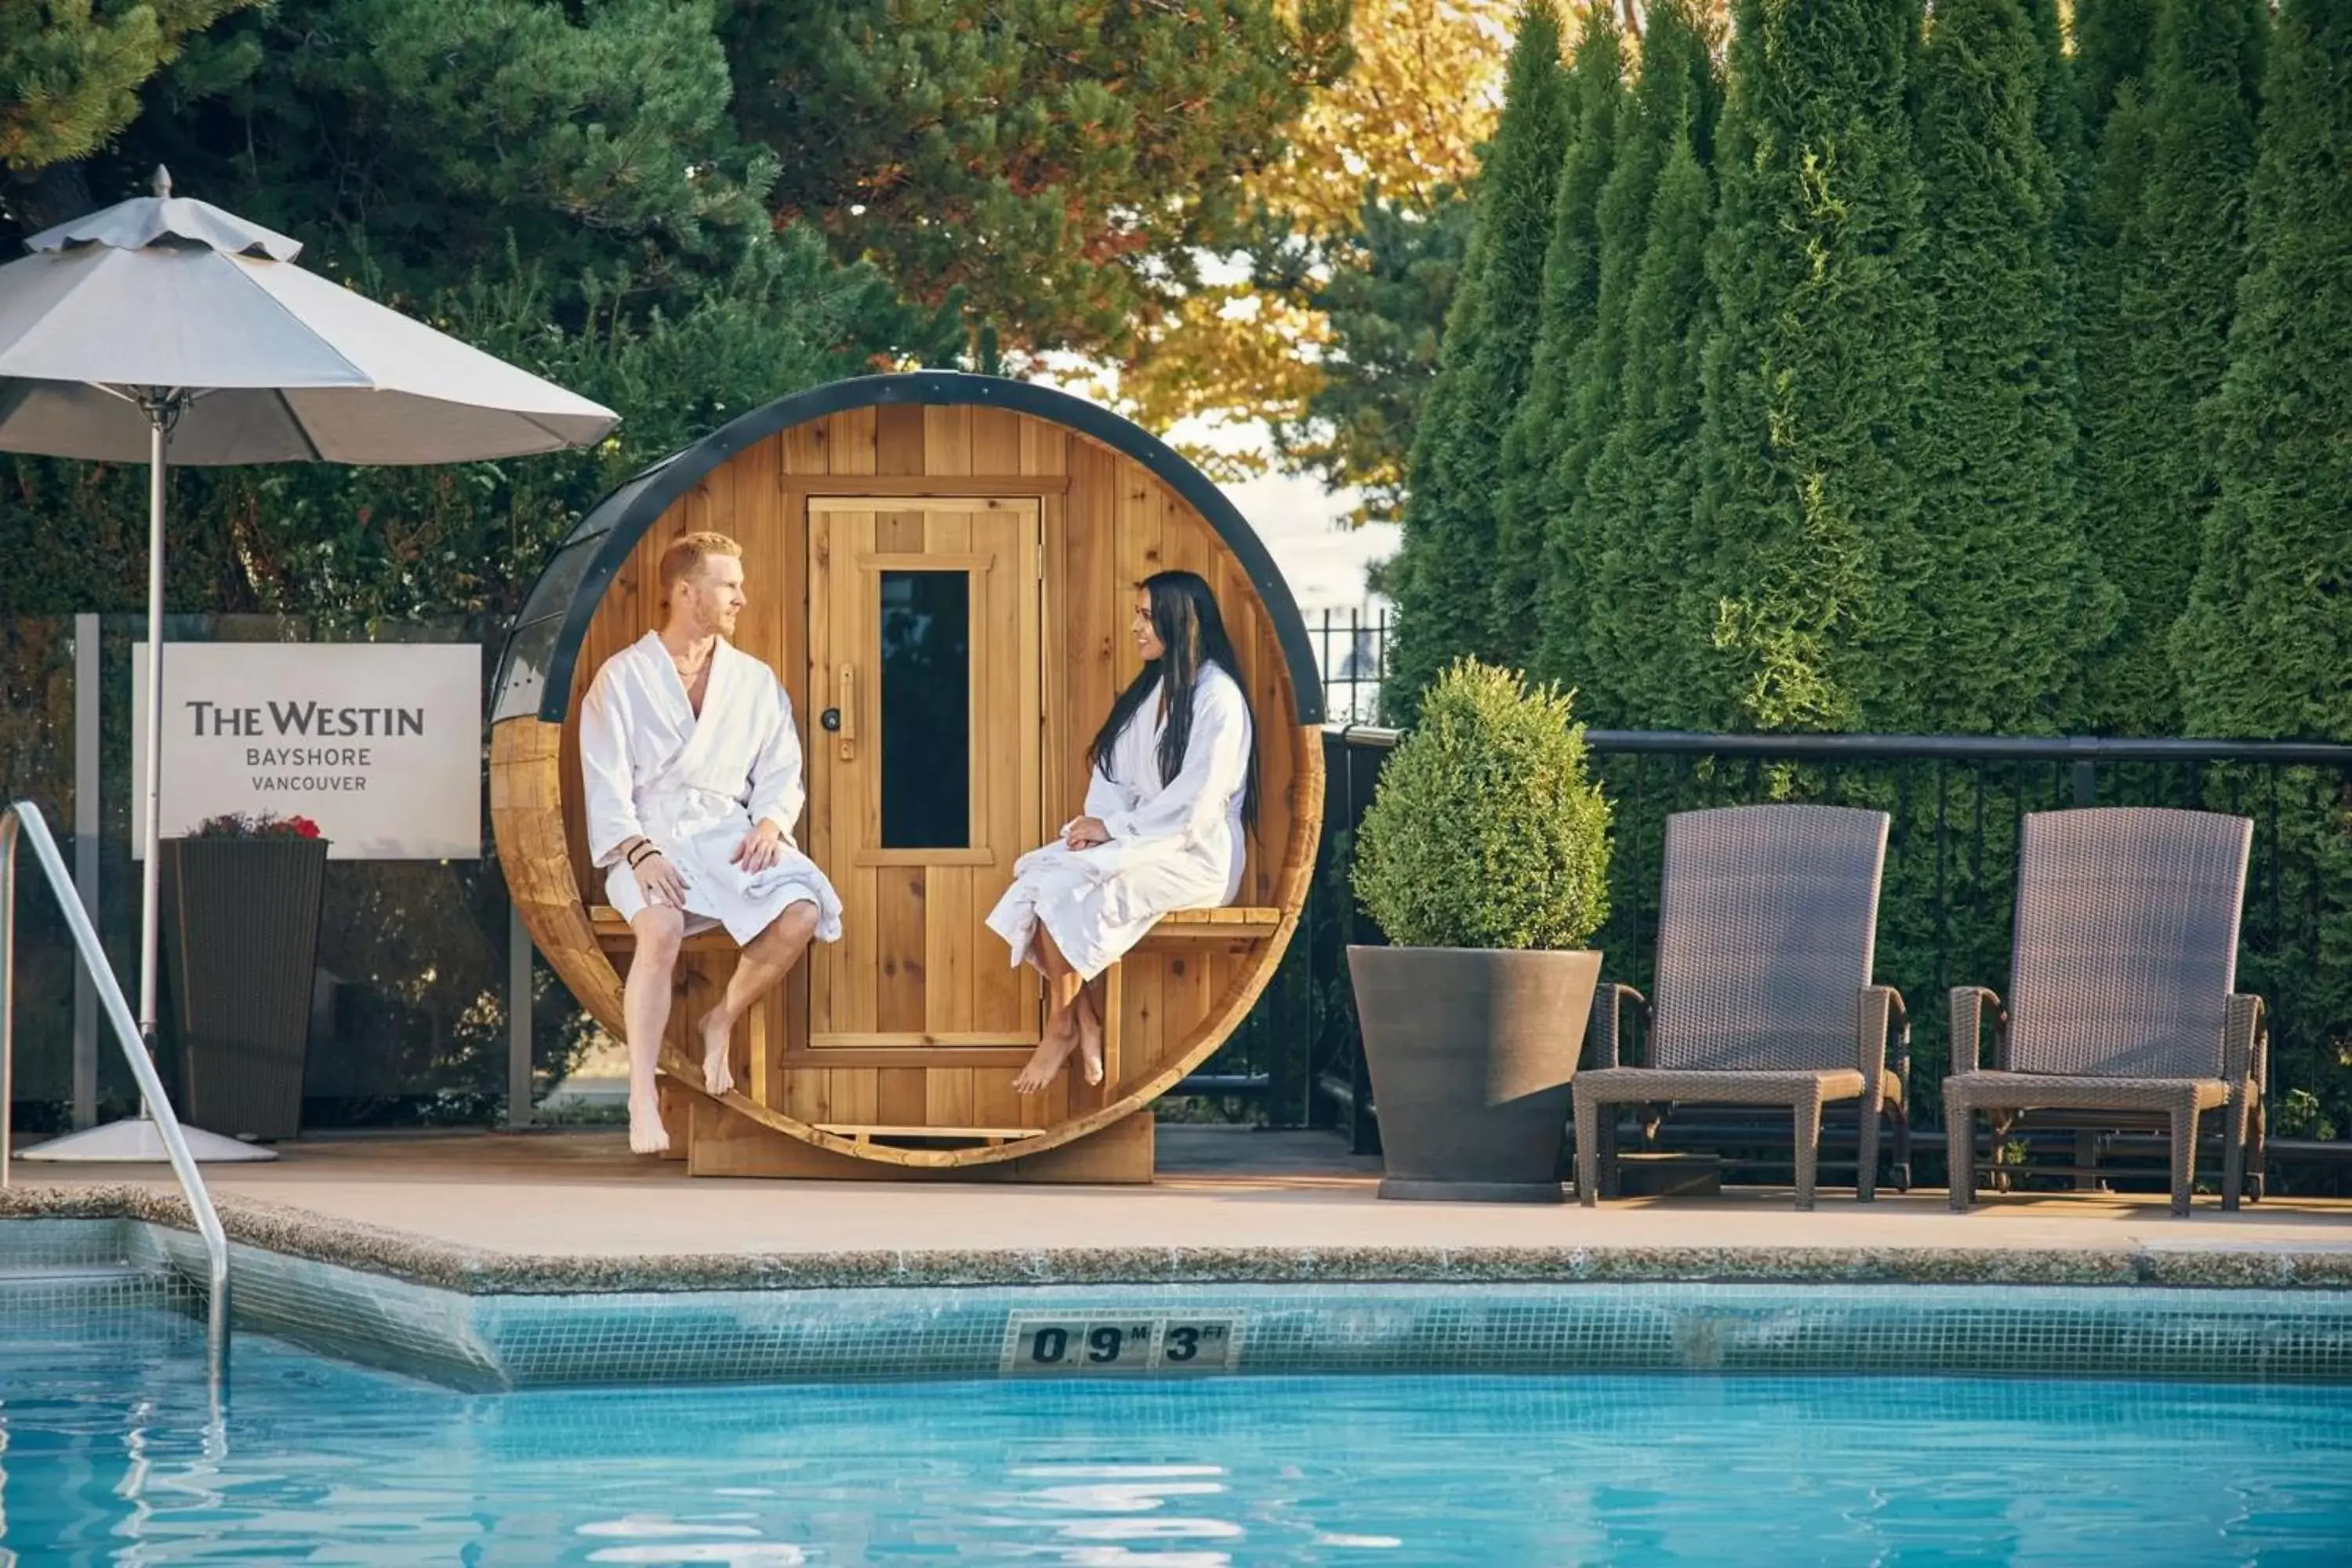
1967, 1017
2246, 1041
1609, 1021
1884, 1020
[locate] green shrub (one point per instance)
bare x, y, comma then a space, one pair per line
1486, 831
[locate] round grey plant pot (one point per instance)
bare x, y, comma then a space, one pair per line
1471, 1053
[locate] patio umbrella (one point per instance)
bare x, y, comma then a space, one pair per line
168, 329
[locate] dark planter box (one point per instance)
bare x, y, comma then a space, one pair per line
242, 940
1471, 1055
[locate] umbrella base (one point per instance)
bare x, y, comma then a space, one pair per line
139, 1141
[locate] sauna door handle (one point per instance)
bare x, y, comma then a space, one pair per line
842, 719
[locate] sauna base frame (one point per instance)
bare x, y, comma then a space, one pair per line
717, 1141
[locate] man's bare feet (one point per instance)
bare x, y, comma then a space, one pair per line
646, 1133
1090, 1041
717, 1077
1044, 1063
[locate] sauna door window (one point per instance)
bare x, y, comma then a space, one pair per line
926, 699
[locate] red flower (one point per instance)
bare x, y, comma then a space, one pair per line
255, 824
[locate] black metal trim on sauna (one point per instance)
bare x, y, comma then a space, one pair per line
622, 517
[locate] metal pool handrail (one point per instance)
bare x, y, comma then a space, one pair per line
25, 816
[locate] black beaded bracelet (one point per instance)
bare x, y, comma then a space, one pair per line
647, 847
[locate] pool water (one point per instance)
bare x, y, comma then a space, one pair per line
108, 1455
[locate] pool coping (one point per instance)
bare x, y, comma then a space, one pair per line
294, 1232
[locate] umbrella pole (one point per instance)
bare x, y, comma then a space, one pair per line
151, 879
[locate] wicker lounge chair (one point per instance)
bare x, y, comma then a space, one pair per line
1767, 919
2122, 987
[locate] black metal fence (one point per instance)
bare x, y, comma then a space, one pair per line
1956, 805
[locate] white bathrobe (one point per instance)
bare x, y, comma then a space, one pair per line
1177, 846
696, 785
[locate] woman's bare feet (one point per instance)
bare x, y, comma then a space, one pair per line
1044, 1064
646, 1133
717, 1077
1090, 1038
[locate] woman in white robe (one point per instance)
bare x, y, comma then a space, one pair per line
1169, 800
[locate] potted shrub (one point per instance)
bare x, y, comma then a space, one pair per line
241, 898
1484, 859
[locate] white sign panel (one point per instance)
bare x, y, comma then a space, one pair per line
379, 743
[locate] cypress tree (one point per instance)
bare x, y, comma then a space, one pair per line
2014, 602
2157, 352
2109, 234
2058, 113
2265, 645
1631, 524
1443, 586
2059, 119
1596, 374
1808, 516
2265, 648
2113, 41
1544, 430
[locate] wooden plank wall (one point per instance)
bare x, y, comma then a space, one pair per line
1109, 522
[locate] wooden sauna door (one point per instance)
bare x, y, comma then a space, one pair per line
926, 690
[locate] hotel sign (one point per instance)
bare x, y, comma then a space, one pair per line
379, 743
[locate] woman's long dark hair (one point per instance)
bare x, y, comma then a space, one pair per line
1184, 614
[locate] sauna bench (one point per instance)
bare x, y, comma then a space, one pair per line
1235, 922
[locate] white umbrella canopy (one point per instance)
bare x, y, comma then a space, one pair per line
163, 294
165, 329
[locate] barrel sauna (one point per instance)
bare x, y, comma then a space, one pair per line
940, 567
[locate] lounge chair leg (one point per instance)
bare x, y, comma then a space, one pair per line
2257, 1150
1960, 1152
1902, 1172
1865, 1169
2233, 1155
1613, 1180
1807, 1118
1588, 1151
2184, 1156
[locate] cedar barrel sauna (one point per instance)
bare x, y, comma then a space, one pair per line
941, 568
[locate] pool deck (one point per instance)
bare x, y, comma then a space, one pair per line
573, 1211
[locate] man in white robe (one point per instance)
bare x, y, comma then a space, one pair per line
693, 777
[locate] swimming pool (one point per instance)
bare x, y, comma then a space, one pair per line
105, 1456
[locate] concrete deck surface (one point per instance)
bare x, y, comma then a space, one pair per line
581, 1195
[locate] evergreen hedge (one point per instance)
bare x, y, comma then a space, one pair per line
1621, 618
1808, 517
2013, 600
1535, 585
1964, 381
2262, 649
1443, 575
2175, 265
